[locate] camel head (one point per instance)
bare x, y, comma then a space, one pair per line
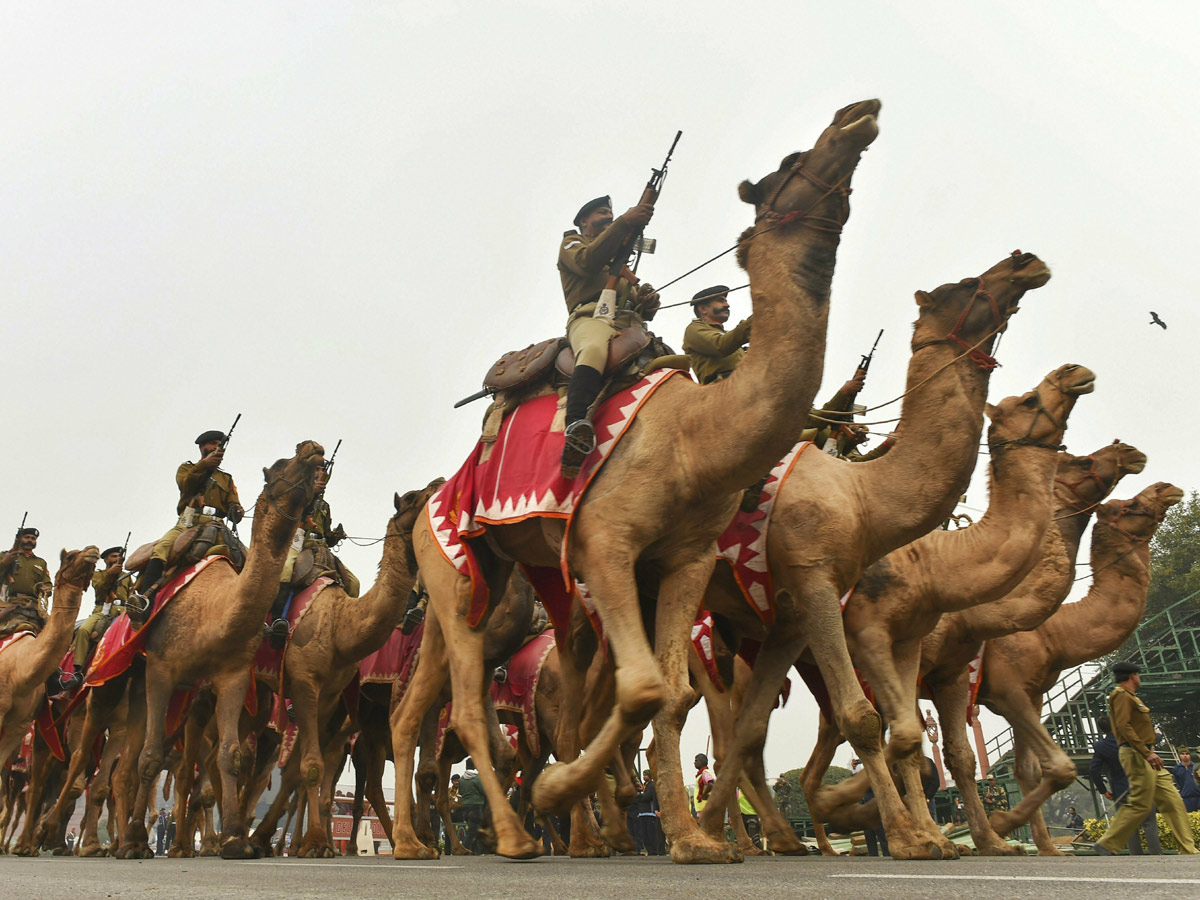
290, 483
1083, 481
409, 507
1140, 517
76, 567
973, 311
817, 181
1039, 417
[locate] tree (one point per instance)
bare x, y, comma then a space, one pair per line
1175, 557
789, 796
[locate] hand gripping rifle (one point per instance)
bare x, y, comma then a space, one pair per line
224, 444
846, 403
606, 306
328, 464
17, 537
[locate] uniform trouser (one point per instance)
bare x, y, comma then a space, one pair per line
589, 337
1147, 788
163, 548
83, 637
474, 819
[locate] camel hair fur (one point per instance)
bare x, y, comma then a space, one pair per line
832, 518
900, 598
653, 512
947, 651
211, 630
1020, 668
29, 661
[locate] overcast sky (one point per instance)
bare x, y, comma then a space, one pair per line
332, 218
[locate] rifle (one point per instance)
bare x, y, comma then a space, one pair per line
606, 306
17, 538
846, 405
229, 433
125, 547
865, 363
328, 465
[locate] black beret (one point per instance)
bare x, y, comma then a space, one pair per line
590, 206
709, 293
120, 550
210, 436
33, 531
1122, 670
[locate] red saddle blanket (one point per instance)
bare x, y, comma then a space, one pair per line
394, 662
11, 639
744, 543
268, 662
122, 642
518, 693
517, 477
702, 643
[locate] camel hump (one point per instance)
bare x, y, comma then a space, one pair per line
625, 346
518, 368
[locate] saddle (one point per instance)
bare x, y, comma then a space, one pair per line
521, 375
313, 563
199, 541
19, 615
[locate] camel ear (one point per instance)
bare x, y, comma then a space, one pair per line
750, 193
924, 299
62, 557
990, 410
266, 474
396, 501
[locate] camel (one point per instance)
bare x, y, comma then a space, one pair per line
211, 630
831, 519
29, 660
900, 598
948, 651
1020, 668
660, 501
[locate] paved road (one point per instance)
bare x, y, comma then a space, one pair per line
566, 879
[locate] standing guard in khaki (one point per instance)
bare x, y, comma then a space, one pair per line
111, 590
25, 583
1150, 782
205, 494
714, 352
584, 256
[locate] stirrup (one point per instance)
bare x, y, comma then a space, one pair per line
579, 441
137, 606
277, 634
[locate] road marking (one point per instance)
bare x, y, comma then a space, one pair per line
331, 865
1026, 878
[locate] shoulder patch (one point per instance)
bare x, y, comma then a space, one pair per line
572, 244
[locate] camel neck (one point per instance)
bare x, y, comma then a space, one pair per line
743, 425
379, 610
1112, 608
55, 636
258, 583
981, 563
915, 487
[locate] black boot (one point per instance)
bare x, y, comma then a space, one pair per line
277, 631
150, 576
414, 614
582, 391
141, 600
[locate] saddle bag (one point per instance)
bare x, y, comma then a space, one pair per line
518, 368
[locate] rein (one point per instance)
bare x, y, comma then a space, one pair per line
1133, 539
1029, 440
819, 223
983, 360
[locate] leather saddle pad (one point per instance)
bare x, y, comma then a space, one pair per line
622, 349
518, 368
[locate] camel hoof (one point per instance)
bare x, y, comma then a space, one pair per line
237, 848
699, 849
93, 850
417, 851
209, 852
24, 850
1050, 851
553, 792
524, 847
917, 849
461, 851
588, 851
1000, 849
1002, 823
784, 844
60, 851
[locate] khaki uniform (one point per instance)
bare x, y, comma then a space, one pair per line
109, 588
583, 266
1147, 787
204, 495
714, 353
26, 578
317, 531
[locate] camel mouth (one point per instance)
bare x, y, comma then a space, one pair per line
864, 129
1137, 464
1083, 387
1171, 495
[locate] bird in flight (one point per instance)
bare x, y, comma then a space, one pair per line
1155, 320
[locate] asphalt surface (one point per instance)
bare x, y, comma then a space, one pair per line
558, 878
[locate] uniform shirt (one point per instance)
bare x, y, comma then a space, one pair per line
319, 523
27, 576
712, 351
214, 488
1131, 721
102, 585
583, 266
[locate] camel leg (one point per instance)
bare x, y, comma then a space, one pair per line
951, 699
374, 789
469, 717
231, 694
100, 790
682, 585
1035, 750
39, 772
298, 831
64, 805
312, 767
425, 684
135, 841
264, 833
291, 814
575, 654
334, 761
859, 722
828, 740
442, 801
641, 690
185, 783
125, 778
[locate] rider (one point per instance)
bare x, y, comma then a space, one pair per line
206, 494
112, 590
584, 257
25, 582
